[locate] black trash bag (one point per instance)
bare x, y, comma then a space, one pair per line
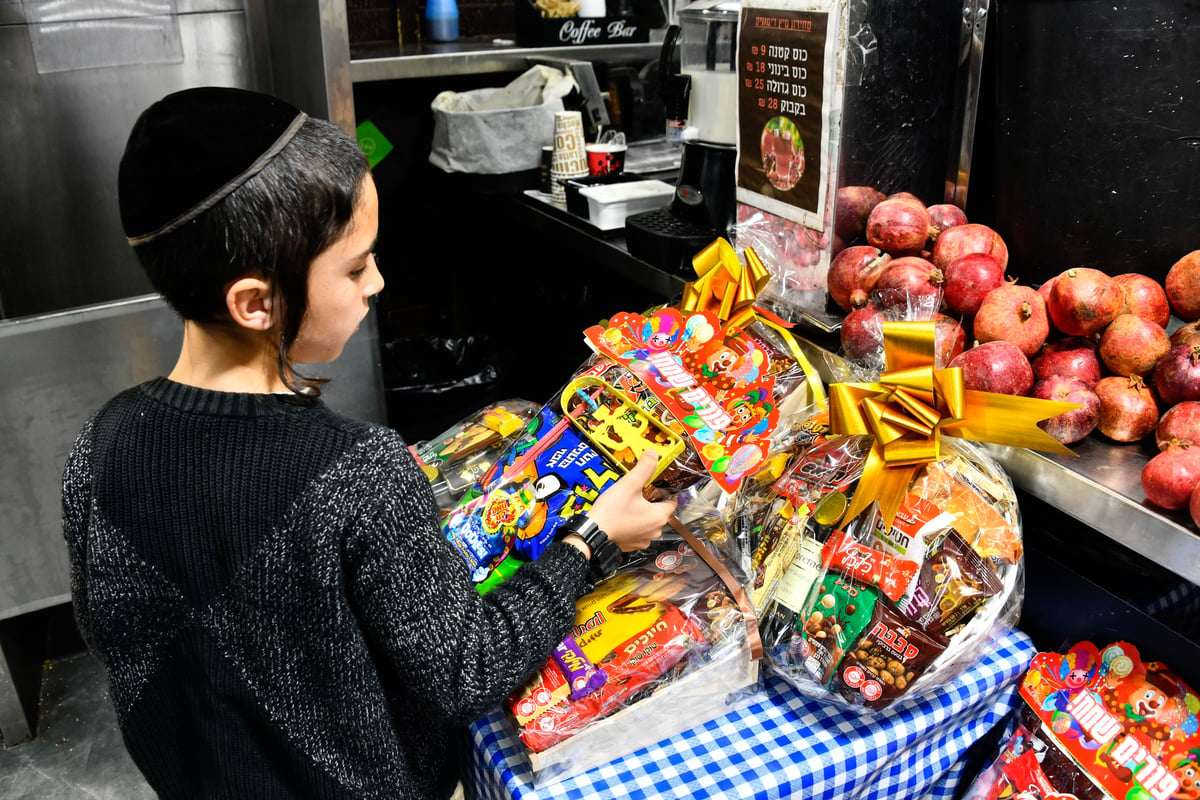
430, 382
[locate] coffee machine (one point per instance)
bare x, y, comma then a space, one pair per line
703, 206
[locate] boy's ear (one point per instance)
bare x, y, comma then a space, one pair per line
248, 300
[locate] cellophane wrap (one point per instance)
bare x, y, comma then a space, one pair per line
455, 459
865, 615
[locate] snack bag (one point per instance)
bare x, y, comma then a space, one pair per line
548, 474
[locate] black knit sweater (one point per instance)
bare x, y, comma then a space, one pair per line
277, 611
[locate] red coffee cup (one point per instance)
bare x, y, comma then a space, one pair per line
605, 159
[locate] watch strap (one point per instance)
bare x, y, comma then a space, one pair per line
606, 556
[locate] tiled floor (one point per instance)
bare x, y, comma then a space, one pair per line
77, 754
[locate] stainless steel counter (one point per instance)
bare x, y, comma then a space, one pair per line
1100, 486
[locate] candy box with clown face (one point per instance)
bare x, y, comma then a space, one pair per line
1100, 724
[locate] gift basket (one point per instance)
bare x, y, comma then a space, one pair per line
886, 547
670, 639
1099, 724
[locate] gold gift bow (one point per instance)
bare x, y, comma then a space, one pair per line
913, 404
728, 290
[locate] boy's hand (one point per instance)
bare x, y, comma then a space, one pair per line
625, 515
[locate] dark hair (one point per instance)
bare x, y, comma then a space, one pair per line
272, 226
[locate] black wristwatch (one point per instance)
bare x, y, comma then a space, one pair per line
605, 555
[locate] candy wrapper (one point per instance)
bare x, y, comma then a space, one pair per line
1099, 724
717, 370
455, 460
656, 649
887, 554
549, 473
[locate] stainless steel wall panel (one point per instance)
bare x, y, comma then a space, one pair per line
59, 368
61, 137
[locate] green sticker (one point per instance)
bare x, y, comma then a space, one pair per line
373, 143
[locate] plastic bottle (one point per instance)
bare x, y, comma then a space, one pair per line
441, 20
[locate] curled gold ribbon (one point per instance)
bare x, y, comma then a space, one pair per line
727, 289
913, 404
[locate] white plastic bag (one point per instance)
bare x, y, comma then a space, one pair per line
498, 130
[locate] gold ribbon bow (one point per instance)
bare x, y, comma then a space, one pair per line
913, 404
727, 288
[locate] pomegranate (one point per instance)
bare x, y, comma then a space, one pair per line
862, 334
1170, 478
853, 206
972, 237
1132, 345
1180, 424
1074, 356
1069, 426
1044, 290
968, 279
910, 288
949, 339
853, 274
1183, 286
1143, 296
1177, 374
943, 216
898, 225
906, 196
1128, 408
1013, 313
995, 367
1083, 300
1194, 506
1186, 334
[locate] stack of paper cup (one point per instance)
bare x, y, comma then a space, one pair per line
570, 160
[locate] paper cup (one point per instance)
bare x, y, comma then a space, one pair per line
605, 159
570, 159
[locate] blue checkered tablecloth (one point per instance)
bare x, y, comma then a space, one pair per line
786, 745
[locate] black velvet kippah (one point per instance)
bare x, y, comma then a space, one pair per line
191, 149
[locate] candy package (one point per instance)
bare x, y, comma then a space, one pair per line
1099, 724
721, 391
867, 613
658, 648
549, 473
460, 455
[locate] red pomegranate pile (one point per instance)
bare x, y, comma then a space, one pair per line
1086, 337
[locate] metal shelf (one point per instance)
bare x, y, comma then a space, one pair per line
472, 57
1101, 487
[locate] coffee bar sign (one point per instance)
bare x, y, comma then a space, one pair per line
534, 30
598, 31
